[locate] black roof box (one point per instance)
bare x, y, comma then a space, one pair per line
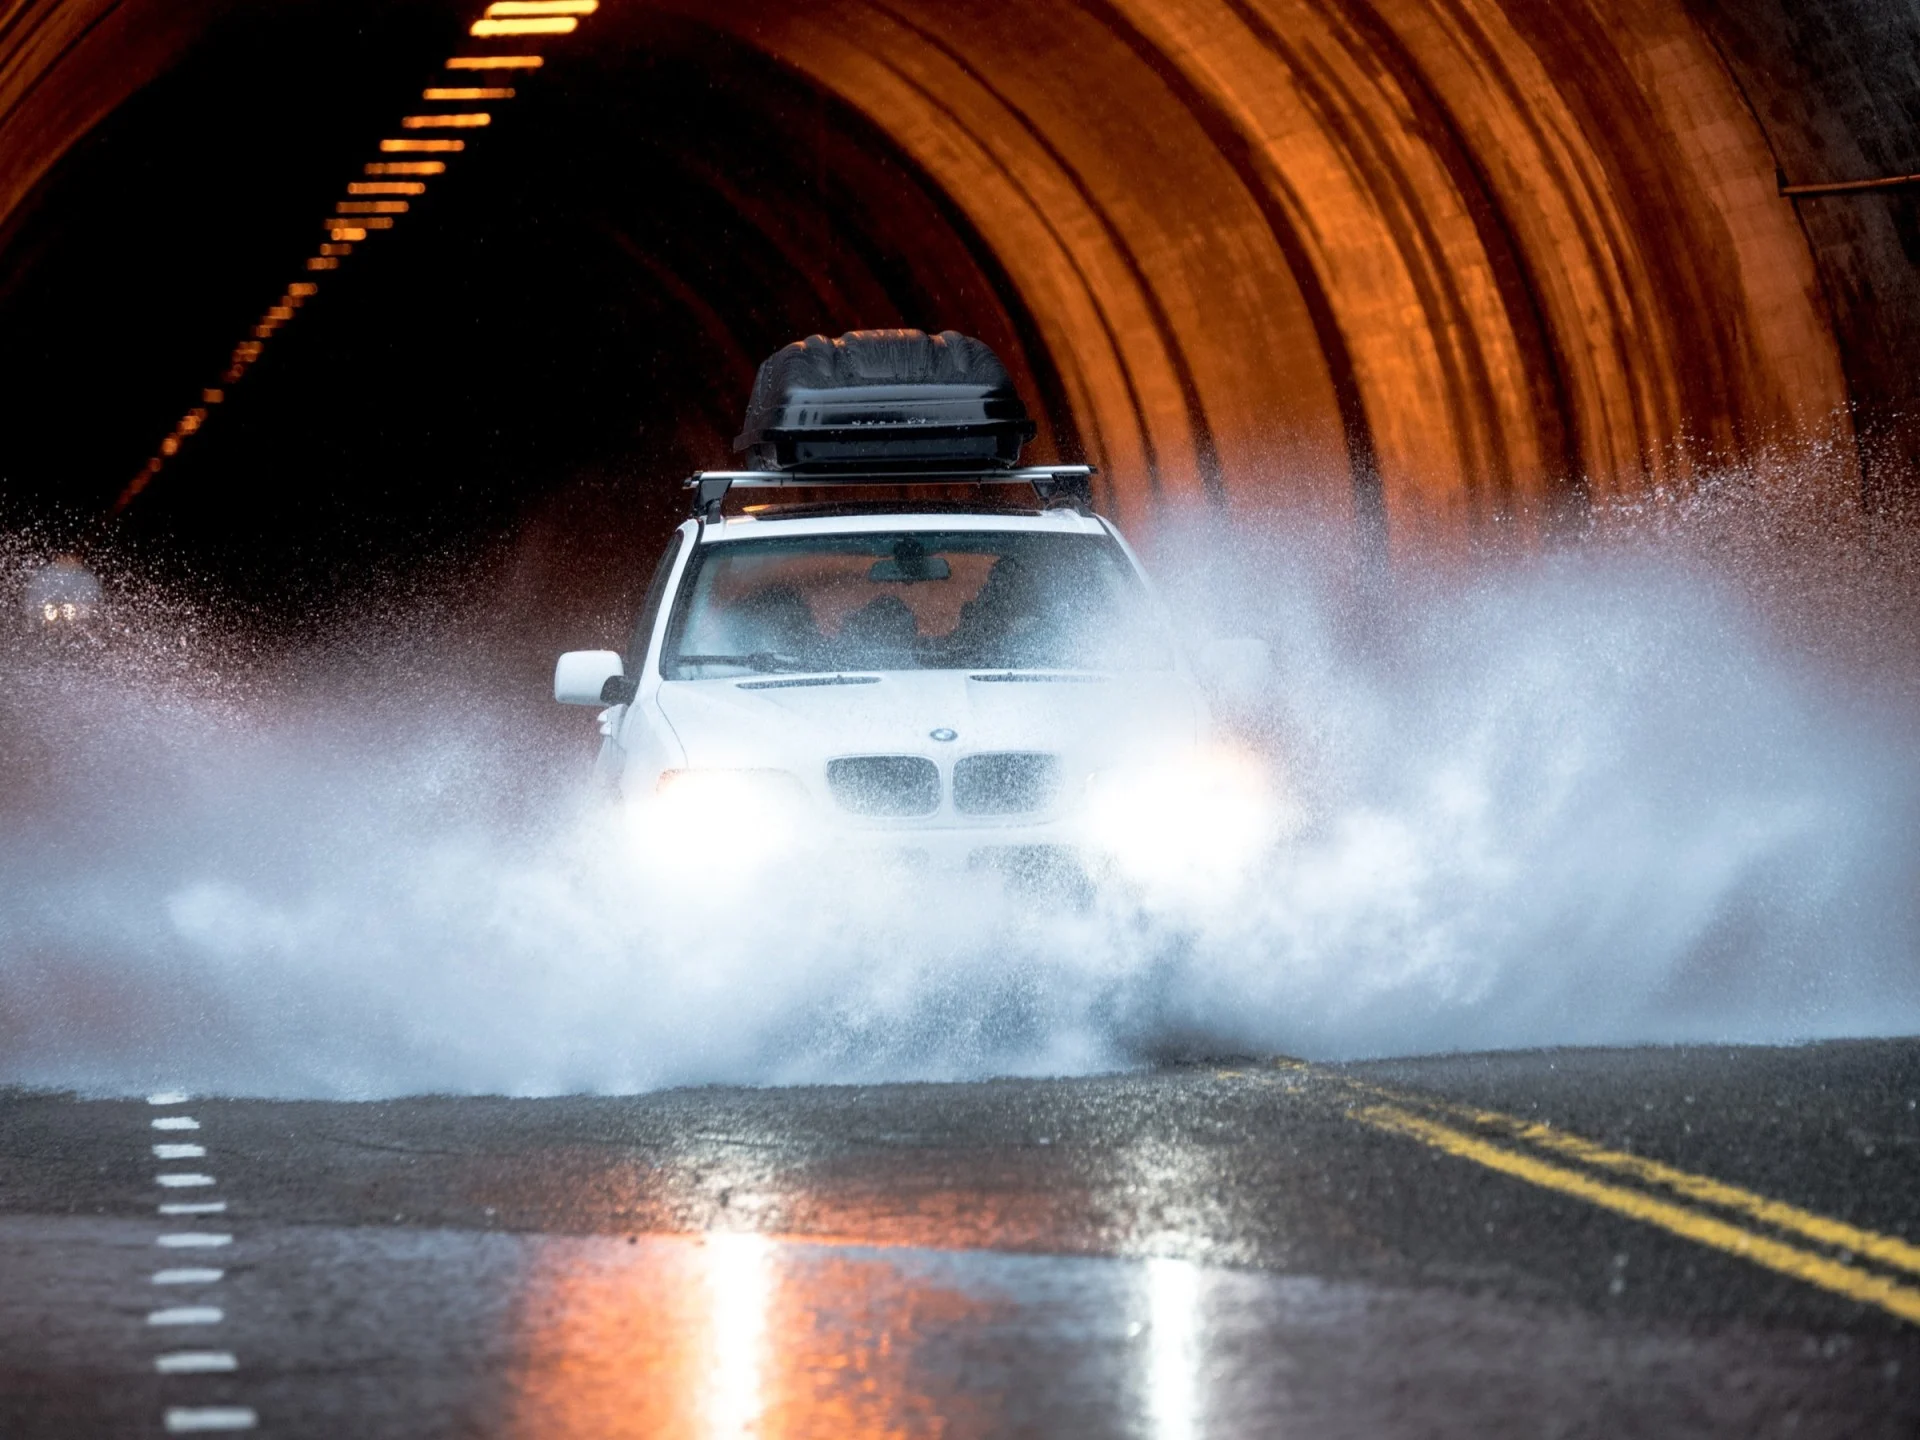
884, 401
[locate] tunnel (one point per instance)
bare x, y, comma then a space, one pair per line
1432, 271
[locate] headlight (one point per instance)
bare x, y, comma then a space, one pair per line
1190, 823
738, 815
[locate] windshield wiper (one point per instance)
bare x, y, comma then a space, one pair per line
765, 661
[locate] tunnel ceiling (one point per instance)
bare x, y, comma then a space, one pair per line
1429, 267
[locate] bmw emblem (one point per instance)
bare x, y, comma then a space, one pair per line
943, 733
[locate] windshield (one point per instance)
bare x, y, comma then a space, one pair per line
918, 600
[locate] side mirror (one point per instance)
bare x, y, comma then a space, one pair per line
591, 677
1238, 670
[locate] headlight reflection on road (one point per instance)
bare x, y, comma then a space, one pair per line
1173, 1349
739, 1278
733, 1334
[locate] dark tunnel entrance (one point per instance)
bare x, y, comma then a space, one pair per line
567, 325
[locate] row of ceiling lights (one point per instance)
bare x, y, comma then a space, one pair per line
390, 187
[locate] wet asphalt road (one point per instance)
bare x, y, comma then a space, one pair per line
1252, 1248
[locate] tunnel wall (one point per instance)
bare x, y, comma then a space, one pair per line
1436, 268
1835, 84
66, 64
1468, 264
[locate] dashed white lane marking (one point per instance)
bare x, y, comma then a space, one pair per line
187, 1277
195, 1362
191, 1419
221, 1417
187, 1315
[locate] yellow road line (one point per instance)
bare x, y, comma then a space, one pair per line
1887, 1249
1833, 1275
1868, 1244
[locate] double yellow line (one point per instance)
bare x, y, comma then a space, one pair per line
1769, 1233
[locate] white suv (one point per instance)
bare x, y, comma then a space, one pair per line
976, 685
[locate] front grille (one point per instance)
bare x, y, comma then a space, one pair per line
892, 785
1006, 784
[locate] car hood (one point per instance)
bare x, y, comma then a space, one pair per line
776, 722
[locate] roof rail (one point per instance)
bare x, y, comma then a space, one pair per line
1070, 485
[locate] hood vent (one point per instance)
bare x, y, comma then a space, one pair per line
808, 683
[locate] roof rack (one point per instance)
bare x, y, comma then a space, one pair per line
1070, 485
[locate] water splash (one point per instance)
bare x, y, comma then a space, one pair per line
1657, 786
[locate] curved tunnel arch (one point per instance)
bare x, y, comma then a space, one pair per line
1454, 265
1484, 256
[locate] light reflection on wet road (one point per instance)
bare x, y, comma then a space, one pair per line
1169, 1256
732, 1335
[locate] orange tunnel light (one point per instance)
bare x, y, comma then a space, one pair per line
213, 397
393, 147
301, 289
323, 262
407, 167
334, 250
136, 485
371, 207
386, 187
502, 8
467, 92
347, 232
446, 122
496, 62
543, 25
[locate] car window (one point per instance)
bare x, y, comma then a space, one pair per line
650, 607
912, 601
